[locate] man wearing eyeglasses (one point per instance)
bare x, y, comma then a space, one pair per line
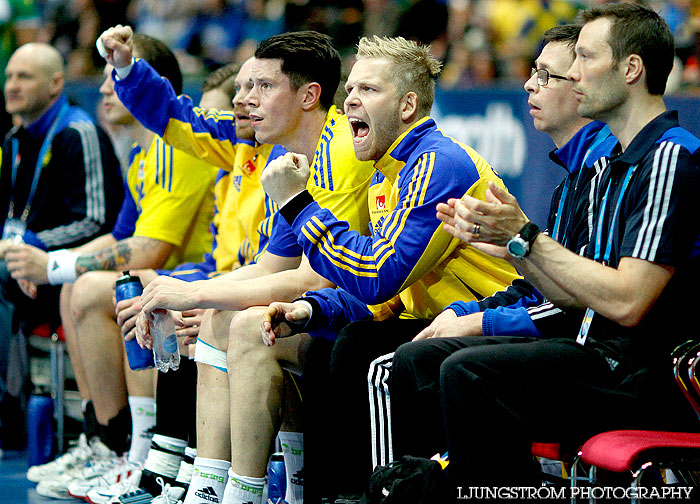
635, 281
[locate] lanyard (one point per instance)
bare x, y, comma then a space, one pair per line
601, 218
588, 316
16, 157
599, 138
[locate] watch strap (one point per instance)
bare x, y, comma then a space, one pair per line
529, 232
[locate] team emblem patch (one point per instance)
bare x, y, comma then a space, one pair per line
249, 167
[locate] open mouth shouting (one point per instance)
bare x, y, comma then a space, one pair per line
360, 129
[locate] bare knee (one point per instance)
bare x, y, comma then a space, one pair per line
92, 291
244, 339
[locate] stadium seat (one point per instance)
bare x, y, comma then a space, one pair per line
637, 451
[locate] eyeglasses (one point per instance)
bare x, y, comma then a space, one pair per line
543, 76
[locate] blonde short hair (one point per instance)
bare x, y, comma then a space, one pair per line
414, 68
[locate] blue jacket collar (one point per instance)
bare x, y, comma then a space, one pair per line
402, 148
571, 155
41, 126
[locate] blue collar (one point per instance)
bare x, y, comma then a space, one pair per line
40, 127
570, 156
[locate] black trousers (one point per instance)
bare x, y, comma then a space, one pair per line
337, 434
494, 396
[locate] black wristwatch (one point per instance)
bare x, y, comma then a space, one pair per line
519, 246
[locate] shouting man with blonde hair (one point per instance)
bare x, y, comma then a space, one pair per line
409, 270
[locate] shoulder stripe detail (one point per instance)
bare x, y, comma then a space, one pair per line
94, 192
418, 186
658, 198
544, 310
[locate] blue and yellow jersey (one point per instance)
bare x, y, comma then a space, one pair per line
338, 180
408, 253
244, 215
168, 197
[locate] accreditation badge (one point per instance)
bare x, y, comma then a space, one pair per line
585, 327
14, 229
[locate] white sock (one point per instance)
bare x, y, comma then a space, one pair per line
243, 489
165, 455
184, 474
143, 419
208, 481
293, 449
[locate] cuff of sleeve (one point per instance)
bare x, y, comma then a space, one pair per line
316, 313
294, 207
462, 308
123, 72
31, 238
487, 323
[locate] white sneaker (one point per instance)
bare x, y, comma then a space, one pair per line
119, 471
168, 495
103, 495
101, 461
76, 457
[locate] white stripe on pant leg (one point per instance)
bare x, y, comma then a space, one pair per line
380, 409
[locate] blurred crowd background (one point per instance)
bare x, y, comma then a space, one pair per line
482, 42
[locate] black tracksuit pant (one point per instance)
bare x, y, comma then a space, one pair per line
494, 396
336, 404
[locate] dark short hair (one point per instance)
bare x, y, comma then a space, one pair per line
160, 57
224, 78
307, 56
564, 34
637, 29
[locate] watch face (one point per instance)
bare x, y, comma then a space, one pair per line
517, 247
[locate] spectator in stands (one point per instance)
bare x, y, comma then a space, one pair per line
516, 311
409, 268
60, 186
19, 25
163, 222
640, 270
290, 96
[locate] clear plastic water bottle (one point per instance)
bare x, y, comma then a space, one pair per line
129, 286
165, 352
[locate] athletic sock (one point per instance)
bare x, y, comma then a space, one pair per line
117, 432
163, 461
184, 474
208, 481
143, 418
243, 489
293, 449
90, 425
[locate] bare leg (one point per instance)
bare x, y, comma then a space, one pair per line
213, 435
72, 342
101, 350
256, 383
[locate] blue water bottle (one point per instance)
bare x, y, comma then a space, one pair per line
129, 286
39, 429
276, 478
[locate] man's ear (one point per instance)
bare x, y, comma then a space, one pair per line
311, 95
56, 84
634, 68
409, 107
